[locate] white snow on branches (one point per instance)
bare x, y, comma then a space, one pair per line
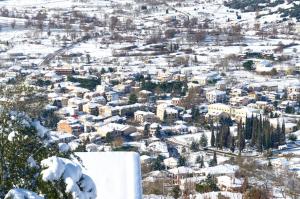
41, 130
11, 136
78, 184
63, 147
31, 162
22, 194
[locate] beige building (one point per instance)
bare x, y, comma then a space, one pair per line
218, 108
297, 67
107, 111
236, 113
166, 113
144, 116
115, 129
294, 92
292, 89
77, 103
239, 101
294, 96
91, 108
71, 126
261, 104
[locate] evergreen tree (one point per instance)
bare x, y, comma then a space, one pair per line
259, 135
258, 143
272, 137
215, 157
157, 164
203, 140
198, 159
132, 98
147, 130
212, 138
282, 134
255, 126
182, 161
276, 135
267, 135
22, 147
226, 136
214, 161
264, 129
232, 147
248, 128
202, 162
194, 146
269, 163
157, 131
195, 114
241, 137
219, 138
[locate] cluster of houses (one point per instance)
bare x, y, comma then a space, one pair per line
115, 94
106, 109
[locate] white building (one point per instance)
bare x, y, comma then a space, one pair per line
216, 96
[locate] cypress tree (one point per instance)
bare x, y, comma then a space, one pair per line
264, 133
203, 140
259, 135
269, 163
214, 161
251, 123
277, 134
232, 147
241, 137
254, 131
219, 138
246, 128
212, 138
226, 136
267, 135
202, 162
215, 158
195, 113
282, 134
259, 143
273, 137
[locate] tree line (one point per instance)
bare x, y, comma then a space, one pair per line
256, 131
